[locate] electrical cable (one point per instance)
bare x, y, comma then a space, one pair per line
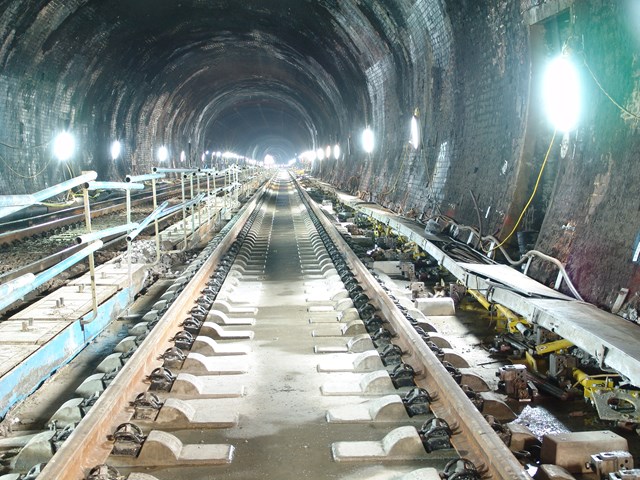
535, 189
405, 154
475, 204
25, 148
595, 79
18, 174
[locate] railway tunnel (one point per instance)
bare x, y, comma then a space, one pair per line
477, 155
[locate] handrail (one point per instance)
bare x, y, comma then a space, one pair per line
48, 274
113, 186
144, 178
13, 203
107, 232
145, 223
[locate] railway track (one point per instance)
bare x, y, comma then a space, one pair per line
277, 355
13, 232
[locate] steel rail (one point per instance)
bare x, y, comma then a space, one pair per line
25, 228
473, 437
87, 446
72, 216
44, 263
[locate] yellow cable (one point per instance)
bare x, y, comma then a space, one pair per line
535, 189
395, 183
18, 174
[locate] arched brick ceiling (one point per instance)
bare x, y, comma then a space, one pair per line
244, 75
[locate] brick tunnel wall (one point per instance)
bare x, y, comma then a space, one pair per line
47, 87
593, 222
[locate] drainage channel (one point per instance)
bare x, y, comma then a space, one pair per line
262, 368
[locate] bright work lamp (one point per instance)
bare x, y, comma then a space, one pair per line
367, 140
561, 94
63, 146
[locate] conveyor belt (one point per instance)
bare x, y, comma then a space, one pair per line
609, 338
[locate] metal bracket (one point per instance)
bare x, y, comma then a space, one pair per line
128, 440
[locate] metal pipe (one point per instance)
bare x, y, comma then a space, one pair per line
193, 216
17, 200
199, 204
92, 265
129, 254
173, 170
208, 200
113, 186
50, 192
179, 206
144, 178
184, 214
145, 223
154, 194
561, 269
13, 285
107, 232
48, 274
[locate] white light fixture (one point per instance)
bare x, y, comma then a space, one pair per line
64, 146
268, 160
116, 150
336, 151
163, 153
415, 132
309, 155
368, 140
327, 152
320, 154
561, 94
183, 156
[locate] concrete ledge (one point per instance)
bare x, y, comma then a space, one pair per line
401, 444
438, 339
349, 314
384, 409
214, 330
198, 364
354, 327
181, 414
227, 308
496, 406
163, 449
217, 316
433, 307
209, 347
363, 362
205, 387
357, 344
37, 450
475, 381
68, 413
454, 358
373, 383
91, 385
